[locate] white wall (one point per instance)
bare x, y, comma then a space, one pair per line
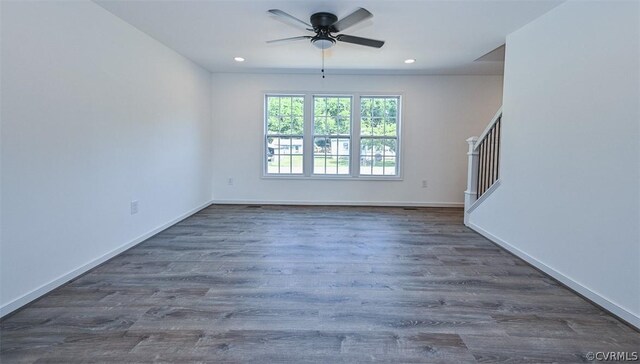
439, 113
94, 114
569, 200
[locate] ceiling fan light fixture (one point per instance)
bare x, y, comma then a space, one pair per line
238, 59
409, 61
323, 43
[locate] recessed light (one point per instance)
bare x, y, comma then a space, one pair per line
238, 59
409, 61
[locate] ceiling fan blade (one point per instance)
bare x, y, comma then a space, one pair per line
350, 20
361, 41
290, 39
290, 18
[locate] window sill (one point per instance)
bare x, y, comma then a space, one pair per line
333, 178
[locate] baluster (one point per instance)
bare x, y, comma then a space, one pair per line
479, 179
486, 166
490, 174
498, 149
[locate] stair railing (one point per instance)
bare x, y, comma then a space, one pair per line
483, 172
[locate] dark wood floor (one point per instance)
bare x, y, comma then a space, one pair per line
313, 284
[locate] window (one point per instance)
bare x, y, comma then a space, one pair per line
313, 135
379, 136
285, 134
331, 135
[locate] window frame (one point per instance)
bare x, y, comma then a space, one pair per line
265, 136
398, 118
355, 137
329, 136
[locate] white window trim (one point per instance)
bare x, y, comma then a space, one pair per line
355, 141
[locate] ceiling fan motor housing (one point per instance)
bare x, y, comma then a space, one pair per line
323, 20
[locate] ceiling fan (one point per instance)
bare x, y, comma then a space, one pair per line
324, 24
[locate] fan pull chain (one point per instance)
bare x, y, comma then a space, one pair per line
322, 62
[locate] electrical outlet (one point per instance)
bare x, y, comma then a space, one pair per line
424, 183
230, 181
134, 207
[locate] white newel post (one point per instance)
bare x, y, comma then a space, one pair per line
472, 175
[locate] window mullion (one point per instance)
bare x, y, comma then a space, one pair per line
308, 135
355, 136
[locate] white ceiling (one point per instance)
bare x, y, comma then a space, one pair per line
445, 37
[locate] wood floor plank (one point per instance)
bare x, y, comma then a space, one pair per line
304, 284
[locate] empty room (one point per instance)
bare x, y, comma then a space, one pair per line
325, 181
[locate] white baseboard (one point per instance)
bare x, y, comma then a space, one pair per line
46, 288
596, 298
339, 203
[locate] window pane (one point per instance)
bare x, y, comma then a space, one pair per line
392, 107
319, 164
273, 106
296, 164
331, 128
285, 164
377, 108
298, 125
320, 126
365, 126
365, 106
389, 166
320, 108
332, 105
297, 146
272, 166
342, 147
365, 166
343, 165
377, 165
390, 147
377, 126
273, 124
390, 127
285, 106
345, 107
322, 145
297, 107
366, 147
285, 125
344, 125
